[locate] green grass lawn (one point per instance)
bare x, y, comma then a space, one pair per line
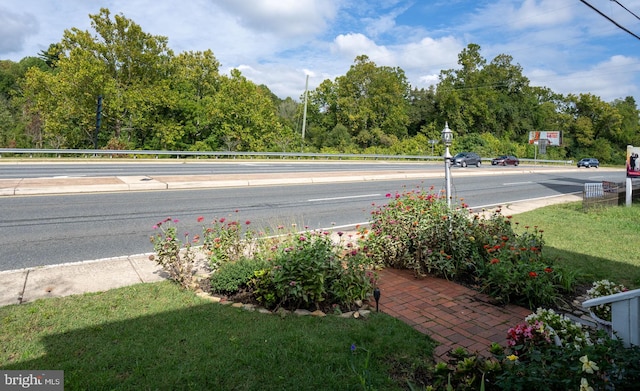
155, 336
599, 244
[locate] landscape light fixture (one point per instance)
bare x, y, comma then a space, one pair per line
376, 296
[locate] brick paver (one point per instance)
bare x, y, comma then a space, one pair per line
451, 314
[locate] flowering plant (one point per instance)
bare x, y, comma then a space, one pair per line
564, 331
523, 337
175, 256
604, 288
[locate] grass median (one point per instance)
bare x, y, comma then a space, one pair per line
156, 336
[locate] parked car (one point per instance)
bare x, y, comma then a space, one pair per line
505, 160
589, 162
464, 159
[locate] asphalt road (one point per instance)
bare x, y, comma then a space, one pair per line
45, 230
93, 168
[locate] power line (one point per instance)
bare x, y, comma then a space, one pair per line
609, 19
626, 9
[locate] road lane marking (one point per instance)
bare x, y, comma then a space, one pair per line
516, 183
343, 198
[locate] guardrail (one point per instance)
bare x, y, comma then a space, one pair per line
229, 154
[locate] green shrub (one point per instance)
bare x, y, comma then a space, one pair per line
534, 360
516, 272
227, 240
603, 365
232, 276
175, 256
419, 231
311, 272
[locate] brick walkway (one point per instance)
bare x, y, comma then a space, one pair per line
451, 314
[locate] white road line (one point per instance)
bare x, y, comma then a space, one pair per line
516, 183
343, 198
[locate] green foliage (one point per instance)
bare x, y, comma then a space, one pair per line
309, 271
297, 270
176, 258
155, 99
603, 288
516, 271
225, 240
533, 360
418, 231
561, 328
603, 364
231, 277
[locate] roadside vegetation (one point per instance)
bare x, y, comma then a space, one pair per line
149, 97
163, 336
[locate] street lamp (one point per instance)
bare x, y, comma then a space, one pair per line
447, 138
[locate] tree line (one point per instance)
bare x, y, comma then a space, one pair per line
121, 88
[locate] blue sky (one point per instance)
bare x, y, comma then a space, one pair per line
560, 44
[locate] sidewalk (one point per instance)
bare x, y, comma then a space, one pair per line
450, 313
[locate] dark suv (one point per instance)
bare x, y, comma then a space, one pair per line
589, 162
464, 159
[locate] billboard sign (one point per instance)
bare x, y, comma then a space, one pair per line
553, 138
633, 161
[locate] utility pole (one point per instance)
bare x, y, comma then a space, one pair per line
98, 121
304, 115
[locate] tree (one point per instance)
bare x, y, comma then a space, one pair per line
630, 125
422, 109
372, 99
125, 66
196, 79
243, 117
13, 124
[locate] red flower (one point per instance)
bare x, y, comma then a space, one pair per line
247, 222
222, 220
200, 219
548, 270
533, 274
495, 260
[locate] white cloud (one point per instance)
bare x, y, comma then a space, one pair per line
15, 28
285, 18
353, 45
612, 79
